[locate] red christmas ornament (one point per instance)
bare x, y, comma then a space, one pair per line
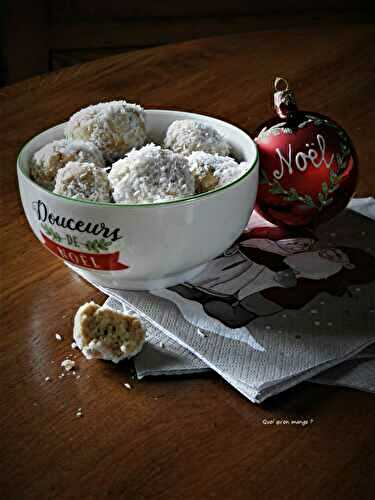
308, 165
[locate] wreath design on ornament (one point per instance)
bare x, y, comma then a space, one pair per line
324, 197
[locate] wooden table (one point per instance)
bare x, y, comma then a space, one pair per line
189, 437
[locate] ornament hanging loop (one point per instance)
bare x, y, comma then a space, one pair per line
281, 84
284, 100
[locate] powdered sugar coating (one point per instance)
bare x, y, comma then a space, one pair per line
83, 181
114, 127
149, 175
187, 136
212, 171
55, 155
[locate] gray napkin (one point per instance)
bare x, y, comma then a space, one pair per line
163, 356
356, 374
280, 345
171, 359
160, 355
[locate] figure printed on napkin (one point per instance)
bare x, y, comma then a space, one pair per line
261, 277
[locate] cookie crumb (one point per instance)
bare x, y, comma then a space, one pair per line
47, 379
79, 412
58, 336
128, 386
202, 334
68, 364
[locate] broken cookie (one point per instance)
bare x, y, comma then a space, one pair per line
101, 332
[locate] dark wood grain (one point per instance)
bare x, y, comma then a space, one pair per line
113, 10
172, 438
124, 35
47, 35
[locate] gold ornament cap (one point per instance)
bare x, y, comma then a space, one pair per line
283, 98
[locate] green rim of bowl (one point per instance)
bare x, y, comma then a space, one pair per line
159, 203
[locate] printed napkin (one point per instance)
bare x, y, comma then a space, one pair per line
163, 356
271, 311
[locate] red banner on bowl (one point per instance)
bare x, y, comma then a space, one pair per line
100, 262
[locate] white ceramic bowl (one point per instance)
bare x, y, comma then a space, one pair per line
142, 247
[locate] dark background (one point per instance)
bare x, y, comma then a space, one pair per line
40, 36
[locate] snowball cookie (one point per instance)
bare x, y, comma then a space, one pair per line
151, 174
83, 181
103, 333
212, 171
55, 155
114, 127
186, 136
